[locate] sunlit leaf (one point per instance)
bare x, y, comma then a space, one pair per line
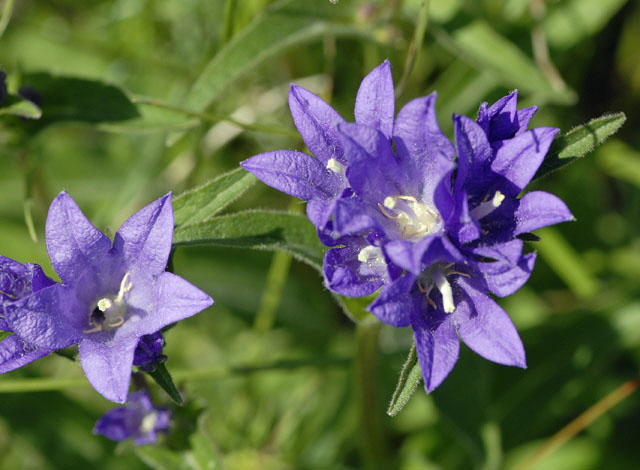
207, 200
16, 106
262, 230
579, 141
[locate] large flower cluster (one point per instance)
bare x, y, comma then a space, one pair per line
114, 298
434, 225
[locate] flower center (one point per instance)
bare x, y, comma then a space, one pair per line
148, 423
110, 312
414, 218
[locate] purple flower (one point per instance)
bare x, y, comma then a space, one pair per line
433, 225
111, 295
16, 282
148, 353
138, 420
321, 180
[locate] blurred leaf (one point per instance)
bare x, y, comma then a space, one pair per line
17, 106
161, 458
262, 230
205, 201
620, 161
5, 334
163, 379
289, 23
480, 45
203, 448
77, 99
573, 21
566, 263
355, 307
410, 377
579, 141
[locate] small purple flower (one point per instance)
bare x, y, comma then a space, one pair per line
16, 282
148, 353
433, 225
112, 293
138, 420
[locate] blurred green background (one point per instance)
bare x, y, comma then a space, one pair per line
269, 372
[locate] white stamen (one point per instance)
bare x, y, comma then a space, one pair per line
445, 290
104, 304
488, 207
415, 219
335, 166
148, 423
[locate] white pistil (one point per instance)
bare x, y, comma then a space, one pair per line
445, 290
488, 207
335, 166
148, 423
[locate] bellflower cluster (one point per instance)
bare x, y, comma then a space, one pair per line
138, 420
113, 300
433, 224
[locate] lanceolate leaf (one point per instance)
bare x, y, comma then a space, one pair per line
163, 379
262, 230
77, 99
579, 141
410, 377
209, 199
17, 106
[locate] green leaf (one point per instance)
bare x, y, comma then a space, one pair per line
163, 379
207, 200
16, 106
480, 45
567, 263
5, 334
574, 20
288, 24
579, 141
355, 307
78, 99
161, 458
261, 230
621, 161
410, 377
203, 448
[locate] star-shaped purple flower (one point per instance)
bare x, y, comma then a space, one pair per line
138, 420
111, 295
434, 225
18, 281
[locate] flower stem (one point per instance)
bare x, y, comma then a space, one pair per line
372, 444
581, 422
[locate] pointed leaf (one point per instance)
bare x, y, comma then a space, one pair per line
579, 141
16, 106
410, 377
78, 99
163, 379
262, 230
205, 201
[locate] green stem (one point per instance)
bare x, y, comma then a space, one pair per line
415, 46
229, 20
372, 443
215, 117
54, 384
